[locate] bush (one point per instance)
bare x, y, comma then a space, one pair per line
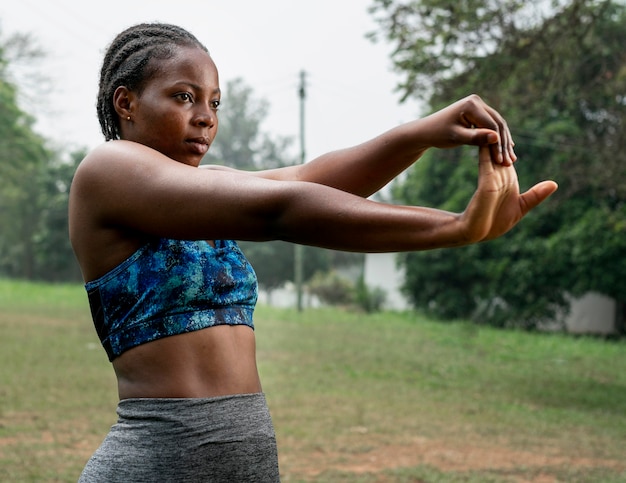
369, 299
331, 288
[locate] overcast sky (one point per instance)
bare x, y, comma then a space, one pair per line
350, 91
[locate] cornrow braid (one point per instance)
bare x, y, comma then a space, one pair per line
127, 62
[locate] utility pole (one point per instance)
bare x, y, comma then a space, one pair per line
299, 249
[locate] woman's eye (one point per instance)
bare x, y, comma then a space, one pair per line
215, 105
185, 97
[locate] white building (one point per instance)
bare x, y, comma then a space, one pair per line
591, 314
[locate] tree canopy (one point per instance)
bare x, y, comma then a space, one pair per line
241, 143
34, 180
557, 71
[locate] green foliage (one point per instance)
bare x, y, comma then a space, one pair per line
332, 288
592, 250
435, 40
240, 142
34, 186
55, 259
559, 77
369, 299
335, 289
273, 261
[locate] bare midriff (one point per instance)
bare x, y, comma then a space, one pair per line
216, 361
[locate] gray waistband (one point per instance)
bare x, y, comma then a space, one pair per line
212, 419
227, 439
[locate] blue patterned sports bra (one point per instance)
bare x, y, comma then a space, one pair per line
170, 287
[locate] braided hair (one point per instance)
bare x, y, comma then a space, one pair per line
127, 62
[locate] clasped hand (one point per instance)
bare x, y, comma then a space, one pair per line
497, 205
470, 121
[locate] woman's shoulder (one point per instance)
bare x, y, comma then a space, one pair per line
117, 151
99, 158
117, 164
107, 179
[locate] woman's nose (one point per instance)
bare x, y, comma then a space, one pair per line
205, 117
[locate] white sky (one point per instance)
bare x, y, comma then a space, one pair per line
350, 89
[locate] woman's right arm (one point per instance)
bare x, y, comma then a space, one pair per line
128, 186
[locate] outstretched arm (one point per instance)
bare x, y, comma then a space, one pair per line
127, 186
367, 167
495, 208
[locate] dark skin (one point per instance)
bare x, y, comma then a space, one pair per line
148, 185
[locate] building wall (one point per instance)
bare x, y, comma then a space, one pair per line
381, 271
591, 314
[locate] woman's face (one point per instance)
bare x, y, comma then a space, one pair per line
176, 111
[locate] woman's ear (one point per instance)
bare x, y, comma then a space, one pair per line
122, 102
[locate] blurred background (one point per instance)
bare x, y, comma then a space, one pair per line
308, 77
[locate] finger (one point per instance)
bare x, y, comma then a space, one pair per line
486, 165
487, 137
484, 204
506, 154
506, 138
477, 130
537, 195
480, 115
484, 157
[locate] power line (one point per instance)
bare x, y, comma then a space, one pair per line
60, 15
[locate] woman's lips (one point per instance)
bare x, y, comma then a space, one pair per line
199, 146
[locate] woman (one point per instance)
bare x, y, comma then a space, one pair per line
171, 294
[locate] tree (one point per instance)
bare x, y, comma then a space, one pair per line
560, 78
55, 260
22, 159
240, 143
34, 181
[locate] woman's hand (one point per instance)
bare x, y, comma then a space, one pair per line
497, 205
471, 121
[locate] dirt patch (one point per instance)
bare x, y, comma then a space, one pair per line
65, 437
463, 458
444, 456
359, 452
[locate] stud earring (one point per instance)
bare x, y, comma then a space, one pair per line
128, 118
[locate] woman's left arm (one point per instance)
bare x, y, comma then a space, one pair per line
367, 167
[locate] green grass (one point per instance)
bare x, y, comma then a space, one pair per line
354, 398
57, 391
330, 377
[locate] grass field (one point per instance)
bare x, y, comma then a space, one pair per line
354, 398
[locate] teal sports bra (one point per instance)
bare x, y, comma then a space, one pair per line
170, 287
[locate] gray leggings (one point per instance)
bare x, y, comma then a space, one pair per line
224, 439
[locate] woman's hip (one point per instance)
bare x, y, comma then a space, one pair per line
228, 438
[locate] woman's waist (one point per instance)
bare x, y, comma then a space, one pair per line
212, 362
174, 424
